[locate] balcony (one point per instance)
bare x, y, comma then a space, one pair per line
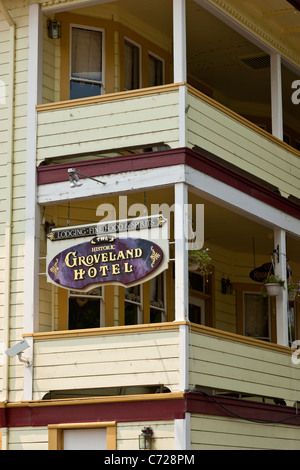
145, 358
156, 117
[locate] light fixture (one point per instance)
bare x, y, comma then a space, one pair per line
226, 286
54, 31
145, 438
74, 178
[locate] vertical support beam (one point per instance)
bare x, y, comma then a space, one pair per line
179, 41
181, 253
182, 116
276, 96
182, 431
32, 222
281, 300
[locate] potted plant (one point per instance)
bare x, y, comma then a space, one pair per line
273, 285
293, 290
200, 261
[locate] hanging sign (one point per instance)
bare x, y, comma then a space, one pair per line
106, 259
261, 273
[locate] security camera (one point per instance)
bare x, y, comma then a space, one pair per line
17, 350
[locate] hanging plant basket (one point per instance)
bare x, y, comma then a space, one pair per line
200, 260
293, 291
273, 289
273, 285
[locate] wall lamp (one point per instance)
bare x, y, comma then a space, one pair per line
54, 30
146, 438
74, 178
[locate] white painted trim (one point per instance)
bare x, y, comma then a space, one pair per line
184, 355
182, 433
32, 226
276, 96
78, 4
282, 299
179, 41
181, 253
231, 198
210, 188
182, 94
28, 372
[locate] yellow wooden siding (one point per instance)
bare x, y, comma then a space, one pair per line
220, 433
36, 438
212, 129
163, 435
106, 361
4, 80
136, 121
28, 438
51, 64
20, 16
230, 365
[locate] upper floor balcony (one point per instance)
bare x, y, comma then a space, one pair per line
131, 90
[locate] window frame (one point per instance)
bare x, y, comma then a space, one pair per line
267, 338
140, 77
139, 305
88, 28
56, 433
89, 296
163, 310
252, 288
160, 59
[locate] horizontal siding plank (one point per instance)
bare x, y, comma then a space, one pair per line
233, 366
231, 433
242, 146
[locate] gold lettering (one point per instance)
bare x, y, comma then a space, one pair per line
120, 255
138, 252
79, 274
73, 261
128, 268
115, 269
103, 270
92, 272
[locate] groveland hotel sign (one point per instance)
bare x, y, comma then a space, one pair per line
123, 252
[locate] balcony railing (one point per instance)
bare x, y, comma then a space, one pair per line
153, 116
150, 355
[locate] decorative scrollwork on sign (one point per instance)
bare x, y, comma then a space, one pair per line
155, 256
55, 268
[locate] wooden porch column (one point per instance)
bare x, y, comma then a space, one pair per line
179, 41
32, 223
281, 300
181, 251
276, 96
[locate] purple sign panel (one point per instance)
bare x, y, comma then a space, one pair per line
105, 260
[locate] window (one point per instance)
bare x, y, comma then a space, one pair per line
256, 316
82, 436
132, 72
86, 310
201, 298
86, 63
253, 312
133, 305
197, 310
157, 299
155, 71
